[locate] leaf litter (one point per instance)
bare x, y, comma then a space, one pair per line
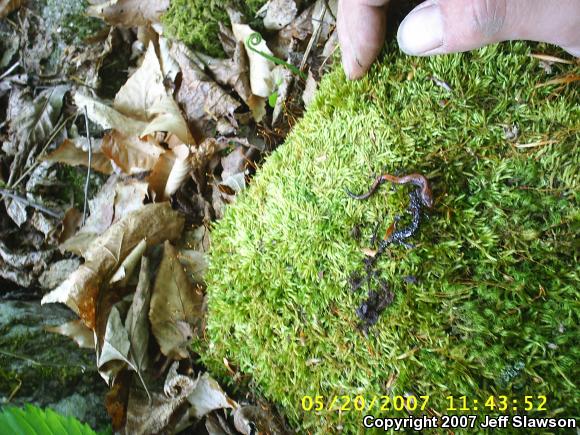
171, 137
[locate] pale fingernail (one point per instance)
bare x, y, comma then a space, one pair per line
347, 61
422, 30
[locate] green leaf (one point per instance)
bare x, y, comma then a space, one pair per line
272, 99
35, 421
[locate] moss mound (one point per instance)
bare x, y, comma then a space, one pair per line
195, 22
495, 306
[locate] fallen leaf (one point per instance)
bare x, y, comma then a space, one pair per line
33, 126
176, 306
127, 267
116, 198
76, 330
57, 273
114, 353
70, 224
144, 97
137, 322
202, 99
9, 6
107, 117
309, 90
146, 416
279, 14
153, 222
207, 397
233, 72
256, 419
179, 171
129, 13
72, 153
130, 153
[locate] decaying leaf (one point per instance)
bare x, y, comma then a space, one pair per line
176, 306
76, 330
114, 353
116, 198
179, 171
57, 273
208, 396
72, 153
131, 153
141, 107
257, 419
107, 117
155, 416
233, 72
8, 6
144, 97
33, 127
127, 267
129, 13
202, 99
279, 14
137, 322
153, 222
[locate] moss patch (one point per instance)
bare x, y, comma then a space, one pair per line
195, 22
495, 308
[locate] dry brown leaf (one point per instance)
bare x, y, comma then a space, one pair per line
203, 100
180, 170
153, 222
160, 174
233, 72
130, 153
8, 6
77, 331
116, 198
129, 13
176, 306
73, 154
207, 397
146, 416
144, 97
107, 117
279, 14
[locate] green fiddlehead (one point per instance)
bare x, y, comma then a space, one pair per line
254, 40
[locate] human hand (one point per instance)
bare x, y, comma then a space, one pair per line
448, 26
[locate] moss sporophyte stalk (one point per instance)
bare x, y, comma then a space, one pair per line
484, 304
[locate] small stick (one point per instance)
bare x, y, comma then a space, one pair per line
9, 70
25, 201
89, 167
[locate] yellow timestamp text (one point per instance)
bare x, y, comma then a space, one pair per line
497, 403
361, 403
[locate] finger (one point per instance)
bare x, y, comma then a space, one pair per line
447, 26
361, 33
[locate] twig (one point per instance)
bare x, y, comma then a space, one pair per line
25, 201
89, 166
9, 70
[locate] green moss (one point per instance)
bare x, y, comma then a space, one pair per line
195, 22
495, 310
69, 20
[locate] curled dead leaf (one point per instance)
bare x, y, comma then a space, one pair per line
129, 13
153, 222
77, 331
73, 154
176, 306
